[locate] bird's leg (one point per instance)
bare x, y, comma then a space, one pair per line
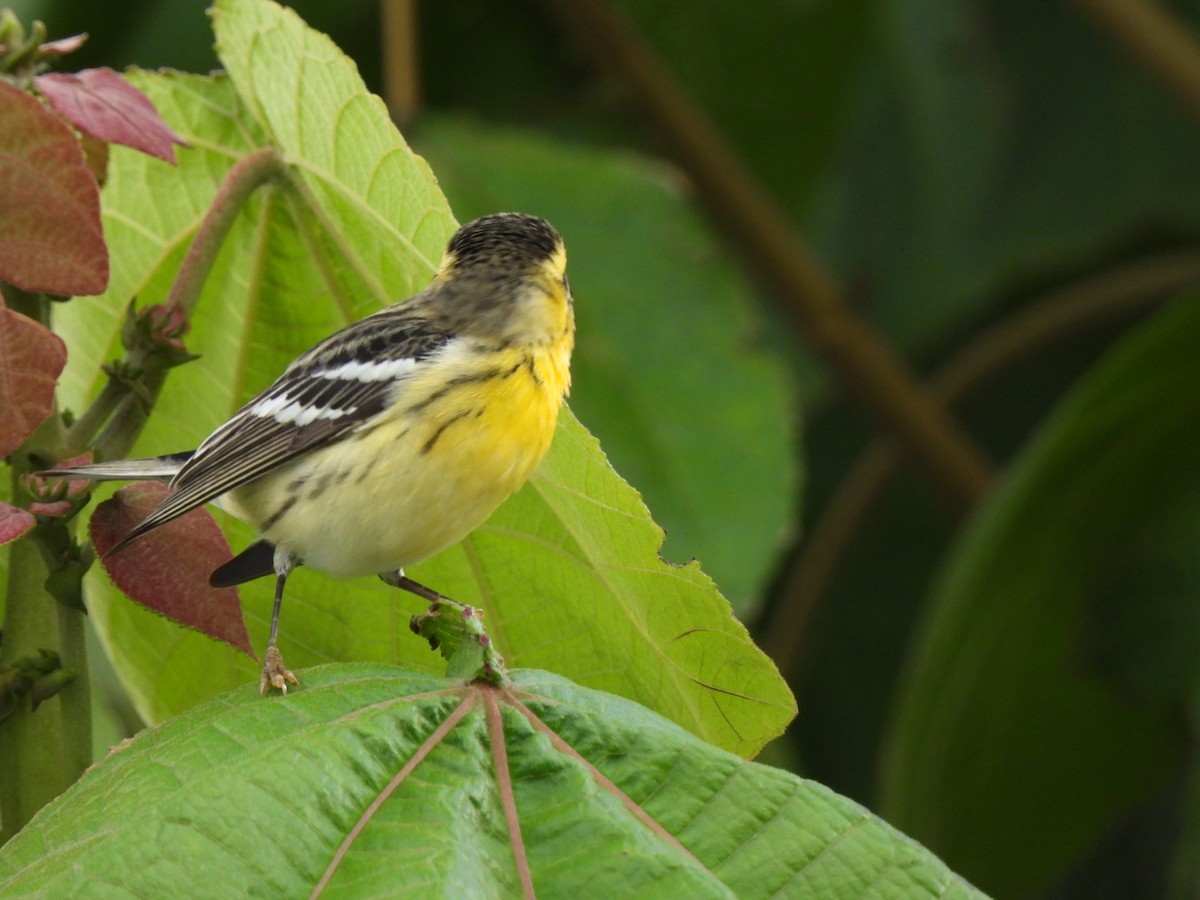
274, 673
398, 579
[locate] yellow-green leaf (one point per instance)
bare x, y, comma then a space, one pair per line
567, 572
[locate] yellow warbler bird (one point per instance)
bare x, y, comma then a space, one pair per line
395, 437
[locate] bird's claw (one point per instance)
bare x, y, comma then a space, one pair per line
274, 673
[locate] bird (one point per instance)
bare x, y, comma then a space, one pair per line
395, 437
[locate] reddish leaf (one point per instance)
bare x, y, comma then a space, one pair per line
50, 234
105, 105
14, 522
31, 359
52, 508
62, 46
167, 570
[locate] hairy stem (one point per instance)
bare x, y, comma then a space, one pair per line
114, 420
251, 172
82, 433
43, 750
129, 416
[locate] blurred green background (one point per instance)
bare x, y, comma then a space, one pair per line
1006, 192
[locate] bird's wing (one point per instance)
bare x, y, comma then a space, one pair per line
337, 385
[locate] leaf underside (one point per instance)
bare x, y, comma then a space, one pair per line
567, 571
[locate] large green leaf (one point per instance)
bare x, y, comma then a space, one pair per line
567, 571
376, 781
666, 365
1043, 698
983, 134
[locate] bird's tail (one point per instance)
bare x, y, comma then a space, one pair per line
156, 468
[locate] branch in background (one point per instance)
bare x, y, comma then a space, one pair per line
1159, 41
869, 369
1129, 289
401, 71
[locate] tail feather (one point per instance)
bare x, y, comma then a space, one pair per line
157, 468
255, 561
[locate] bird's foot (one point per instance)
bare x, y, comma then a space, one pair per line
274, 673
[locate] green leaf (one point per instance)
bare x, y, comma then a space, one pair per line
566, 572
378, 205
666, 363
1027, 718
380, 781
981, 134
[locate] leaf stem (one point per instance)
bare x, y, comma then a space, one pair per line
251, 172
129, 415
82, 433
120, 411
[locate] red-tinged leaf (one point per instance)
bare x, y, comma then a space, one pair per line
167, 570
62, 46
103, 104
14, 522
31, 359
51, 239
